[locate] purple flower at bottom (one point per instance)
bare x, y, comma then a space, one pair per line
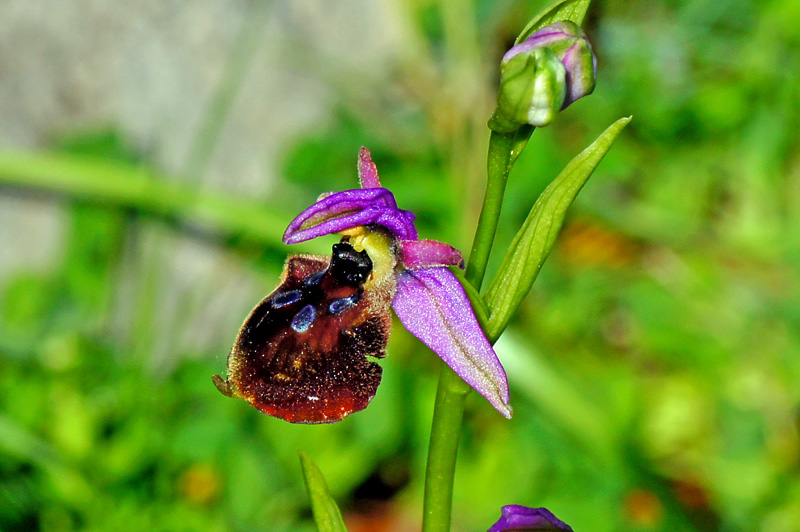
426, 296
517, 518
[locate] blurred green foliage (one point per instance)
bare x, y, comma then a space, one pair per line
655, 368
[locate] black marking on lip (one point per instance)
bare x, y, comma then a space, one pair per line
286, 298
315, 279
348, 266
338, 306
312, 359
302, 320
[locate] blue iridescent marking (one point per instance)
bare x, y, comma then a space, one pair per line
286, 298
315, 279
340, 305
303, 319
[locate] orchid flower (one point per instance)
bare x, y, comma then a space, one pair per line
517, 518
304, 354
428, 297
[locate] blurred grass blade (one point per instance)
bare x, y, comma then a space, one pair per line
219, 107
573, 10
121, 184
326, 513
535, 239
562, 401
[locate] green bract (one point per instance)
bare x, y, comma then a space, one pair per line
572, 10
535, 239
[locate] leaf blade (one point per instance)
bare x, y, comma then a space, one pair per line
536, 237
326, 512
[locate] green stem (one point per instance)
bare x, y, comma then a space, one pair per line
504, 148
448, 414
448, 411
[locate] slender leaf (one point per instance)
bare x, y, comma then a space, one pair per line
326, 513
573, 10
475, 299
535, 239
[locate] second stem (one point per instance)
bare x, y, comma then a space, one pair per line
451, 394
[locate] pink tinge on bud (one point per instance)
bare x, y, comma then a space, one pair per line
546, 37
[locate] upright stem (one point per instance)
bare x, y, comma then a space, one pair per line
448, 411
504, 148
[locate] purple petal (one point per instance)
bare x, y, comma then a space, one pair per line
580, 75
516, 518
351, 208
367, 171
432, 305
416, 254
550, 34
331, 204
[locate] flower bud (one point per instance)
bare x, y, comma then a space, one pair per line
532, 90
542, 75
